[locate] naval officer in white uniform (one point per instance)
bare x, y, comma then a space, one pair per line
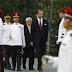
62, 30
17, 40
1, 41
6, 40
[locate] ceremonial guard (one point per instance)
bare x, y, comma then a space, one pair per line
39, 35
1, 41
17, 41
28, 50
62, 30
65, 51
6, 40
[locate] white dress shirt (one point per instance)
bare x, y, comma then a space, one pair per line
6, 33
17, 35
39, 21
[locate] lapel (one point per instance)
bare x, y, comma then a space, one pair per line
37, 24
27, 29
43, 23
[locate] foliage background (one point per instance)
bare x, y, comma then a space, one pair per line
30, 7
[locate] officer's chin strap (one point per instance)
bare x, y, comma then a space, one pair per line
44, 60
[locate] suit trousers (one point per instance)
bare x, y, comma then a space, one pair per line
16, 55
40, 49
28, 52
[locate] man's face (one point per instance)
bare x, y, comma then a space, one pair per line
29, 22
61, 15
66, 23
7, 20
16, 19
40, 14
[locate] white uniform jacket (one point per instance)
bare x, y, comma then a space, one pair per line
61, 31
17, 35
65, 54
6, 33
1, 40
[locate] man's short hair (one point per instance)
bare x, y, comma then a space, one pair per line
28, 18
39, 10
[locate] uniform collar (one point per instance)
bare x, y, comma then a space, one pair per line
7, 23
16, 23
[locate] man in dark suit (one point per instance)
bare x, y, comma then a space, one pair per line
28, 50
39, 34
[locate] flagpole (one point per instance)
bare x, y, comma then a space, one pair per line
49, 32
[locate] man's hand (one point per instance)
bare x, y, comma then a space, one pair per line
9, 36
22, 46
31, 43
46, 43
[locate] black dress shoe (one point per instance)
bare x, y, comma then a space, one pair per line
40, 69
31, 69
24, 67
9, 68
5, 67
18, 69
13, 68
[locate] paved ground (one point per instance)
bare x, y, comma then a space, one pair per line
48, 68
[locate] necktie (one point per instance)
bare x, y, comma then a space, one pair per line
29, 29
40, 25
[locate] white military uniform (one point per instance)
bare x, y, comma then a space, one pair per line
17, 35
1, 23
61, 32
1, 49
65, 54
6, 33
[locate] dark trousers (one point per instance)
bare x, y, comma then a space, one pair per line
7, 51
1, 59
40, 49
16, 55
28, 52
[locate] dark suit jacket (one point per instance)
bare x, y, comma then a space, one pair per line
27, 36
37, 35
